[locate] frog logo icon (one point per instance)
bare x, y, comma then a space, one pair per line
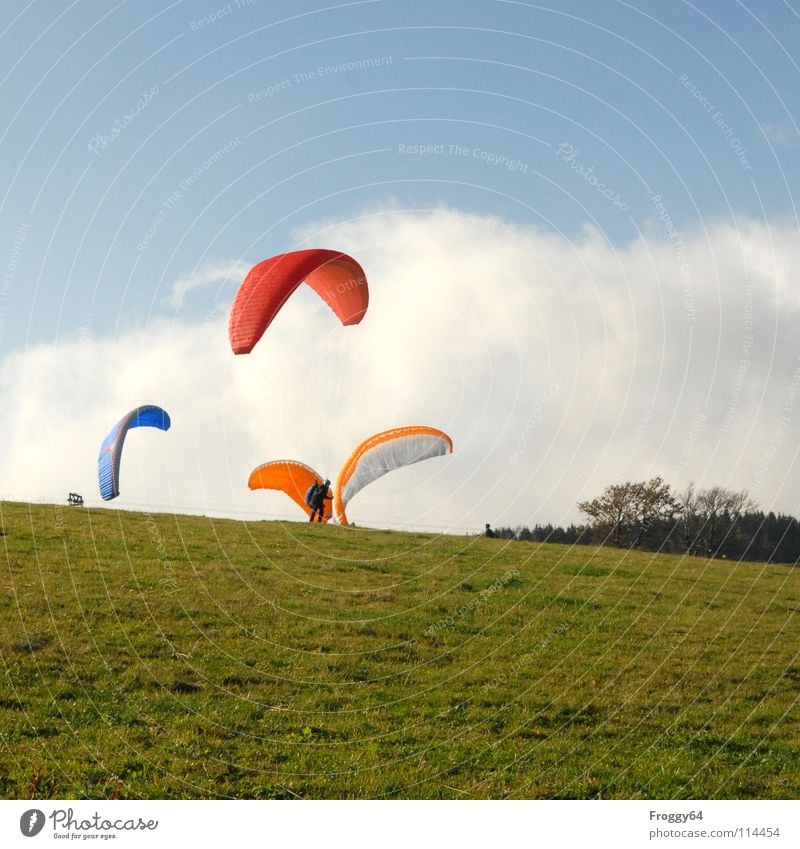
31, 822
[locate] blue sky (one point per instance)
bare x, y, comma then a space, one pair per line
146, 143
512, 79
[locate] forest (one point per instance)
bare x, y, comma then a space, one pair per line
651, 516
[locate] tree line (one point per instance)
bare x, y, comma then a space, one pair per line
649, 515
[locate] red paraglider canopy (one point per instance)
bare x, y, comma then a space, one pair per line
337, 278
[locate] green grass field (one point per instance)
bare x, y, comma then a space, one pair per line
182, 657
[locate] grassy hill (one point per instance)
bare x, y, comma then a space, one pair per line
171, 656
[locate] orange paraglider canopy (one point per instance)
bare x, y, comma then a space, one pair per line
382, 453
337, 278
290, 477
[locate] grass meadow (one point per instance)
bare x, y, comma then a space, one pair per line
167, 656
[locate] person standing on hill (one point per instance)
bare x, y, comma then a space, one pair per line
317, 496
488, 532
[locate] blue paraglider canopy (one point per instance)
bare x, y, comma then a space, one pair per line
111, 450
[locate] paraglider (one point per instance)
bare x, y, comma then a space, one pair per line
337, 278
384, 452
108, 463
293, 478
316, 496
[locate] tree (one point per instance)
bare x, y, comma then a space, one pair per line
718, 509
654, 502
613, 512
626, 511
688, 508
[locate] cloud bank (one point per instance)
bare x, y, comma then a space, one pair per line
557, 366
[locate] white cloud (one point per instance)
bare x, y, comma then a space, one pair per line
780, 132
556, 367
218, 272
